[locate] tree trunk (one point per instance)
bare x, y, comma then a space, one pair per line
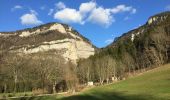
133, 71
54, 87
129, 71
114, 72
24, 88
107, 80
101, 81
15, 82
5, 87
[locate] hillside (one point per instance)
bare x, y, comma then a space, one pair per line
51, 36
149, 44
40, 57
54, 58
137, 50
151, 85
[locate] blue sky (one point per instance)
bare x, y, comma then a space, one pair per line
98, 20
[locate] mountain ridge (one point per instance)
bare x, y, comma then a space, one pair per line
162, 14
59, 59
50, 36
148, 45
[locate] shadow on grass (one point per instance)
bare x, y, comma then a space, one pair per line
99, 96
37, 98
110, 96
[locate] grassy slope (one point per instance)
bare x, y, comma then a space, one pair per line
151, 85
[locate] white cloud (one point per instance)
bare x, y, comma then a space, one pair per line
101, 16
69, 15
123, 8
108, 41
60, 5
30, 18
87, 7
50, 11
133, 11
33, 12
16, 7
89, 12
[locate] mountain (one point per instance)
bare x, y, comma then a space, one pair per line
136, 51
48, 37
148, 45
56, 58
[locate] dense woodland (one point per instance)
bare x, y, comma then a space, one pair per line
42, 72
46, 72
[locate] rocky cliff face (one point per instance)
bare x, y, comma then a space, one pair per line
49, 37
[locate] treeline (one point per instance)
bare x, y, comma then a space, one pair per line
39, 73
48, 72
125, 57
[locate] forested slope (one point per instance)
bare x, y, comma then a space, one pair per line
135, 51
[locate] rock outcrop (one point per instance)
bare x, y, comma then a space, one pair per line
52, 36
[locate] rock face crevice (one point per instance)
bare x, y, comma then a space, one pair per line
52, 36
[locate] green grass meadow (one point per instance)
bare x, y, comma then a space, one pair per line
150, 85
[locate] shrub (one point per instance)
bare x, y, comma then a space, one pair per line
39, 91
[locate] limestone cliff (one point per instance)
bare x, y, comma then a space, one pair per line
51, 36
